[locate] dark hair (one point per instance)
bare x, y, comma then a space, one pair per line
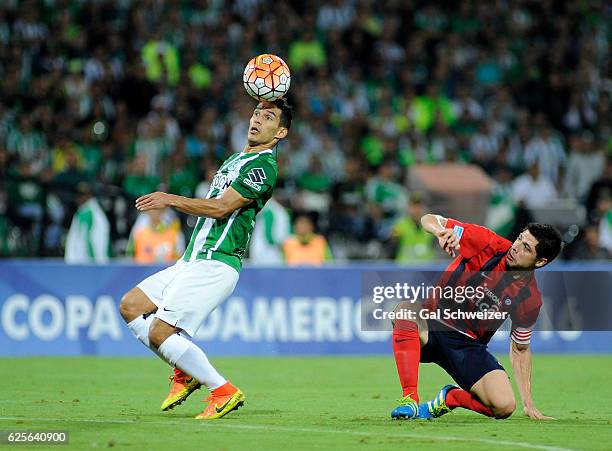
549, 240
286, 111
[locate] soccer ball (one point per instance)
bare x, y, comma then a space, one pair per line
266, 77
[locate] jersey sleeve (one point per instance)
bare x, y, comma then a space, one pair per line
473, 238
524, 318
256, 180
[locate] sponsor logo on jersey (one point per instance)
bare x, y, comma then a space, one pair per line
221, 182
253, 185
255, 178
494, 303
257, 175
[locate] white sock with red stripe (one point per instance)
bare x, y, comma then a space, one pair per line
186, 356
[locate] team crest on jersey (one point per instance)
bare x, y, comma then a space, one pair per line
232, 165
255, 178
508, 301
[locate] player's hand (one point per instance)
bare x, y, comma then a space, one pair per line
448, 241
535, 414
153, 201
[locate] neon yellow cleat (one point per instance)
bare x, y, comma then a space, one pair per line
182, 386
222, 401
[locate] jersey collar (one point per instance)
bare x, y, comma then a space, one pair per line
257, 153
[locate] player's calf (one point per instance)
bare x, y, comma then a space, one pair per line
160, 331
406, 342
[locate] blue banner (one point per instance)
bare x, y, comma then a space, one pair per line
48, 308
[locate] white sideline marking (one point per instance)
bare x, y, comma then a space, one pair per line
298, 429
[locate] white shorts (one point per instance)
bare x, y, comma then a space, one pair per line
187, 292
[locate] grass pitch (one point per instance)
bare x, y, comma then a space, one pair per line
294, 403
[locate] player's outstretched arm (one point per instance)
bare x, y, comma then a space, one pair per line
211, 208
520, 357
436, 225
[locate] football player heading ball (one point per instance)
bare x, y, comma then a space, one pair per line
165, 310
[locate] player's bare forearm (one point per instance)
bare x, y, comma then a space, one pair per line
436, 225
433, 223
520, 357
211, 208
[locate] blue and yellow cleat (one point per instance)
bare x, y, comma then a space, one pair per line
408, 409
436, 407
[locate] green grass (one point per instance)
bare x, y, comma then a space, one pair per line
294, 403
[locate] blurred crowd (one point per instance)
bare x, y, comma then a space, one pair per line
103, 101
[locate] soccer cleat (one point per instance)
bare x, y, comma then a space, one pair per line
182, 386
437, 407
222, 401
408, 409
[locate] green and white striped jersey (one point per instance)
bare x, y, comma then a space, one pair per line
254, 176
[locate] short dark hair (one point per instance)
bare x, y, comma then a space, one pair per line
549, 239
286, 111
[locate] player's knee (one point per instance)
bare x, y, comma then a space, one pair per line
128, 306
504, 409
402, 306
402, 321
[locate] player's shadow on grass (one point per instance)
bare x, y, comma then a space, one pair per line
190, 415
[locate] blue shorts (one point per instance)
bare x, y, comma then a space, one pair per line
466, 360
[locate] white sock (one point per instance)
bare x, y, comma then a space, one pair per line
185, 355
140, 328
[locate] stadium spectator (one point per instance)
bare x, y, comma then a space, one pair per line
305, 247
533, 188
307, 52
484, 145
385, 192
137, 182
314, 186
502, 209
414, 244
600, 191
272, 228
337, 15
157, 239
161, 60
182, 178
121, 79
546, 149
590, 248
88, 239
605, 230
30, 144
585, 164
